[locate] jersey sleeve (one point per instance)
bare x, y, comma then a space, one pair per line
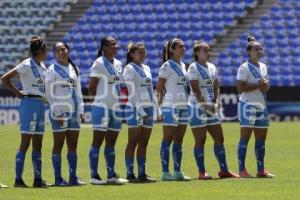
21, 68
96, 70
242, 74
192, 73
164, 71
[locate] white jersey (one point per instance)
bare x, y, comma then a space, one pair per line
176, 84
32, 77
138, 79
108, 88
252, 74
63, 90
206, 77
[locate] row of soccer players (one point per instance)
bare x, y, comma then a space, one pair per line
60, 86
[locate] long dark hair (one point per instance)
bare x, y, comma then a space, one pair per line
171, 44
36, 44
131, 48
69, 59
104, 42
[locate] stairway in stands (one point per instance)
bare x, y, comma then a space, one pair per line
68, 19
243, 24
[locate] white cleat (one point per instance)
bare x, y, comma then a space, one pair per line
96, 181
117, 181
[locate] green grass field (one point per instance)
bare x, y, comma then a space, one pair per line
282, 159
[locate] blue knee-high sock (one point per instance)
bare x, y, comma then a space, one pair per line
221, 157
94, 158
141, 161
199, 157
37, 164
20, 157
129, 166
177, 156
260, 154
56, 162
72, 160
109, 153
165, 155
242, 150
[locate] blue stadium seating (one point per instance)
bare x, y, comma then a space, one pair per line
151, 22
278, 31
20, 19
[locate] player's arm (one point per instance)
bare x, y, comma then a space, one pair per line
160, 90
92, 88
243, 86
6, 80
217, 93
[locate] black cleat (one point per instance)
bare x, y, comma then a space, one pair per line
146, 179
39, 183
20, 183
132, 179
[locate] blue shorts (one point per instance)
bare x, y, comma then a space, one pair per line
71, 122
253, 117
200, 118
106, 119
32, 116
175, 116
134, 120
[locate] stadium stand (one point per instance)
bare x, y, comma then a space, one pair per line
278, 30
19, 20
151, 22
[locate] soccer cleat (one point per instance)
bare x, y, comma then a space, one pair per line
39, 183
97, 180
179, 176
116, 180
264, 174
61, 183
76, 182
166, 176
204, 176
146, 179
3, 186
245, 174
228, 174
20, 183
132, 179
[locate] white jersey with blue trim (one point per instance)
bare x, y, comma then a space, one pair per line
206, 76
32, 77
110, 77
63, 90
138, 79
252, 74
175, 85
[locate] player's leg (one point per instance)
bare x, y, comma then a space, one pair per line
216, 132
245, 134
58, 143
168, 132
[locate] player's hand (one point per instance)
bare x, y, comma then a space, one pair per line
264, 85
19, 95
217, 107
145, 117
159, 118
60, 121
82, 118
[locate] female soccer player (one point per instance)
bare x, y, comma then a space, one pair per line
66, 110
139, 111
172, 78
106, 110
204, 103
32, 111
253, 84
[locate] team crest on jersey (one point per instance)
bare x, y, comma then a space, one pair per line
209, 82
148, 81
116, 79
183, 79
40, 82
